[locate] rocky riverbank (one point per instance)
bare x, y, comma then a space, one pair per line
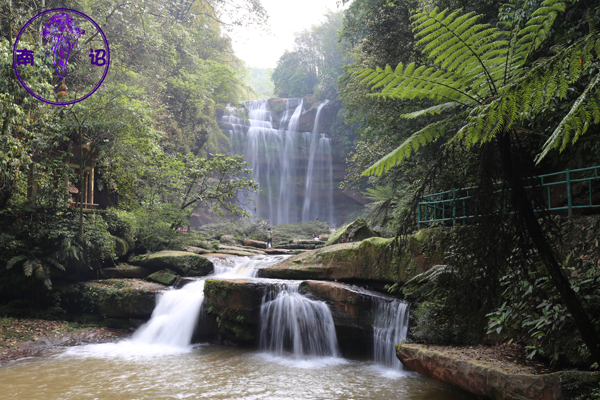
20, 338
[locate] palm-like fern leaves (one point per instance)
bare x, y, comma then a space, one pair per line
418, 139
472, 63
37, 266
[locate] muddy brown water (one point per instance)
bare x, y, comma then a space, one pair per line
127, 370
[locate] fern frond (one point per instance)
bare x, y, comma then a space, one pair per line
457, 43
14, 261
418, 139
29, 266
431, 110
54, 262
383, 201
530, 38
410, 82
585, 111
431, 274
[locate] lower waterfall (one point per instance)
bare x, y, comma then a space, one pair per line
177, 311
174, 318
293, 323
389, 328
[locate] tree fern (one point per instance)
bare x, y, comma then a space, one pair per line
480, 69
585, 111
432, 274
426, 135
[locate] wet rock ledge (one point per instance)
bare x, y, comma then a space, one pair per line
233, 310
491, 380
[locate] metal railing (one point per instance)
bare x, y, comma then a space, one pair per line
564, 190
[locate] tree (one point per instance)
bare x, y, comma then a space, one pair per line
315, 63
482, 74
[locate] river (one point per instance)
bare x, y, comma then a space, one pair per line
150, 365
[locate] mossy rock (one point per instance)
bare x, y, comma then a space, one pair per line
121, 247
368, 260
109, 298
164, 277
355, 231
181, 262
124, 271
205, 244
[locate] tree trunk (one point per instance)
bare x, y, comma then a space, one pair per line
522, 205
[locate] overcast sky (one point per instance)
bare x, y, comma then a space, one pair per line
261, 49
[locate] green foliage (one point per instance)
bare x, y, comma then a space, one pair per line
284, 233
533, 312
477, 68
261, 82
255, 229
315, 63
155, 232
121, 223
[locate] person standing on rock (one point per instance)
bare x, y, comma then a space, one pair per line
269, 238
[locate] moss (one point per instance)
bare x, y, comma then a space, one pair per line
232, 322
121, 247
117, 283
219, 288
182, 262
164, 277
356, 231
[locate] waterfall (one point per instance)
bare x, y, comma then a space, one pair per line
280, 157
319, 157
293, 323
177, 312
174, 318
389, 328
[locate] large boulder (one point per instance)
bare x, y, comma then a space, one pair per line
353, 232
118, 301
491, 380
352, 310
255, 243
234, 305
369, 260
182, 262
121, 247
164, 277
227, 239
124, 271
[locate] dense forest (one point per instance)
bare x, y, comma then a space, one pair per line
436, 95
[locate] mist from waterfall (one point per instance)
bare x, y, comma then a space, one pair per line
282, 160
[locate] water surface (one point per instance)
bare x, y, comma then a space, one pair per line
127, 370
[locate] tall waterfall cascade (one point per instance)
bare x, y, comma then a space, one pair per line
294, 323
390, 327
293, 169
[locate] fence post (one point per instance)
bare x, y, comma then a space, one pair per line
419, 215
453, 206
569, 192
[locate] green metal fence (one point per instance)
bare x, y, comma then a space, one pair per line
566, 190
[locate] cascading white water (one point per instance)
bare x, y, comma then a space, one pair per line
318, 193
389, 328
174, 318
176, 314
293, 323
278, 162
